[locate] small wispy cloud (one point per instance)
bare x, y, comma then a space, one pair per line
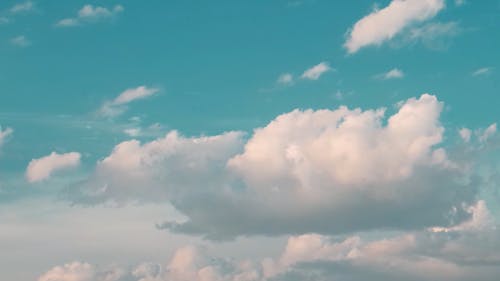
90, 14
394, 73
285, 79
118, 105
22, 7
315, 72
4, 20
4, 134
482, 71
20, 41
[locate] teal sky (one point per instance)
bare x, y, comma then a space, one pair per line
207, 68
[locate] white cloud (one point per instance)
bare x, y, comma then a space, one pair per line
20, 41
488, 133
465, 134
394, 73
22, 7
384, 24
315, 72
81, 271
285, 79
302, 169
4, 134
482, 71
42, 168
434, 36
118, 105
90, 14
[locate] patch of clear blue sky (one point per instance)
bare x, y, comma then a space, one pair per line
216, 63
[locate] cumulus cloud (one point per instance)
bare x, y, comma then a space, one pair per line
22, 7
306, 171
394, 73
42, 168
488, 133
384, 24
90, 14
467, 252
20, 41
315, 72
4, 134
119, 104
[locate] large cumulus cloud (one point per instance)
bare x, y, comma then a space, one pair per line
323, 171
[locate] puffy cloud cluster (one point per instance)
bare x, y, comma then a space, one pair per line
42, 168
467, 252
90, 14
324, 171
384, 24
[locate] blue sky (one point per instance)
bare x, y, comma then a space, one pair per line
199, 123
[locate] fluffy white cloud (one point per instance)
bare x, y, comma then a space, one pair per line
384, 24
394, 73
325, 171
118, 105
315, 72
4, 134
90, 14
20, 41
42, 168
22, 7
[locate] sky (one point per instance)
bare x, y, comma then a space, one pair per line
249, 140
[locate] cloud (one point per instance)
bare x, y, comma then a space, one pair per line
315, 72
384, 24
488, 133
90, 14
306, 171
394, 73
4, 134
42, 168
118, 105
482, 71
285, 79
22, 7
467, 252
20, 41
4, 20
434, 36
465, 134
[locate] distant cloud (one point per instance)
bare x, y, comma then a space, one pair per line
90, 14
488, 133
22, 7
315, 72
118, 105
4, 20
482, 71
20, 41
42, 168
465, 134
460, 2
4, 134
384, 24
435, 36
394, 73
285, 79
